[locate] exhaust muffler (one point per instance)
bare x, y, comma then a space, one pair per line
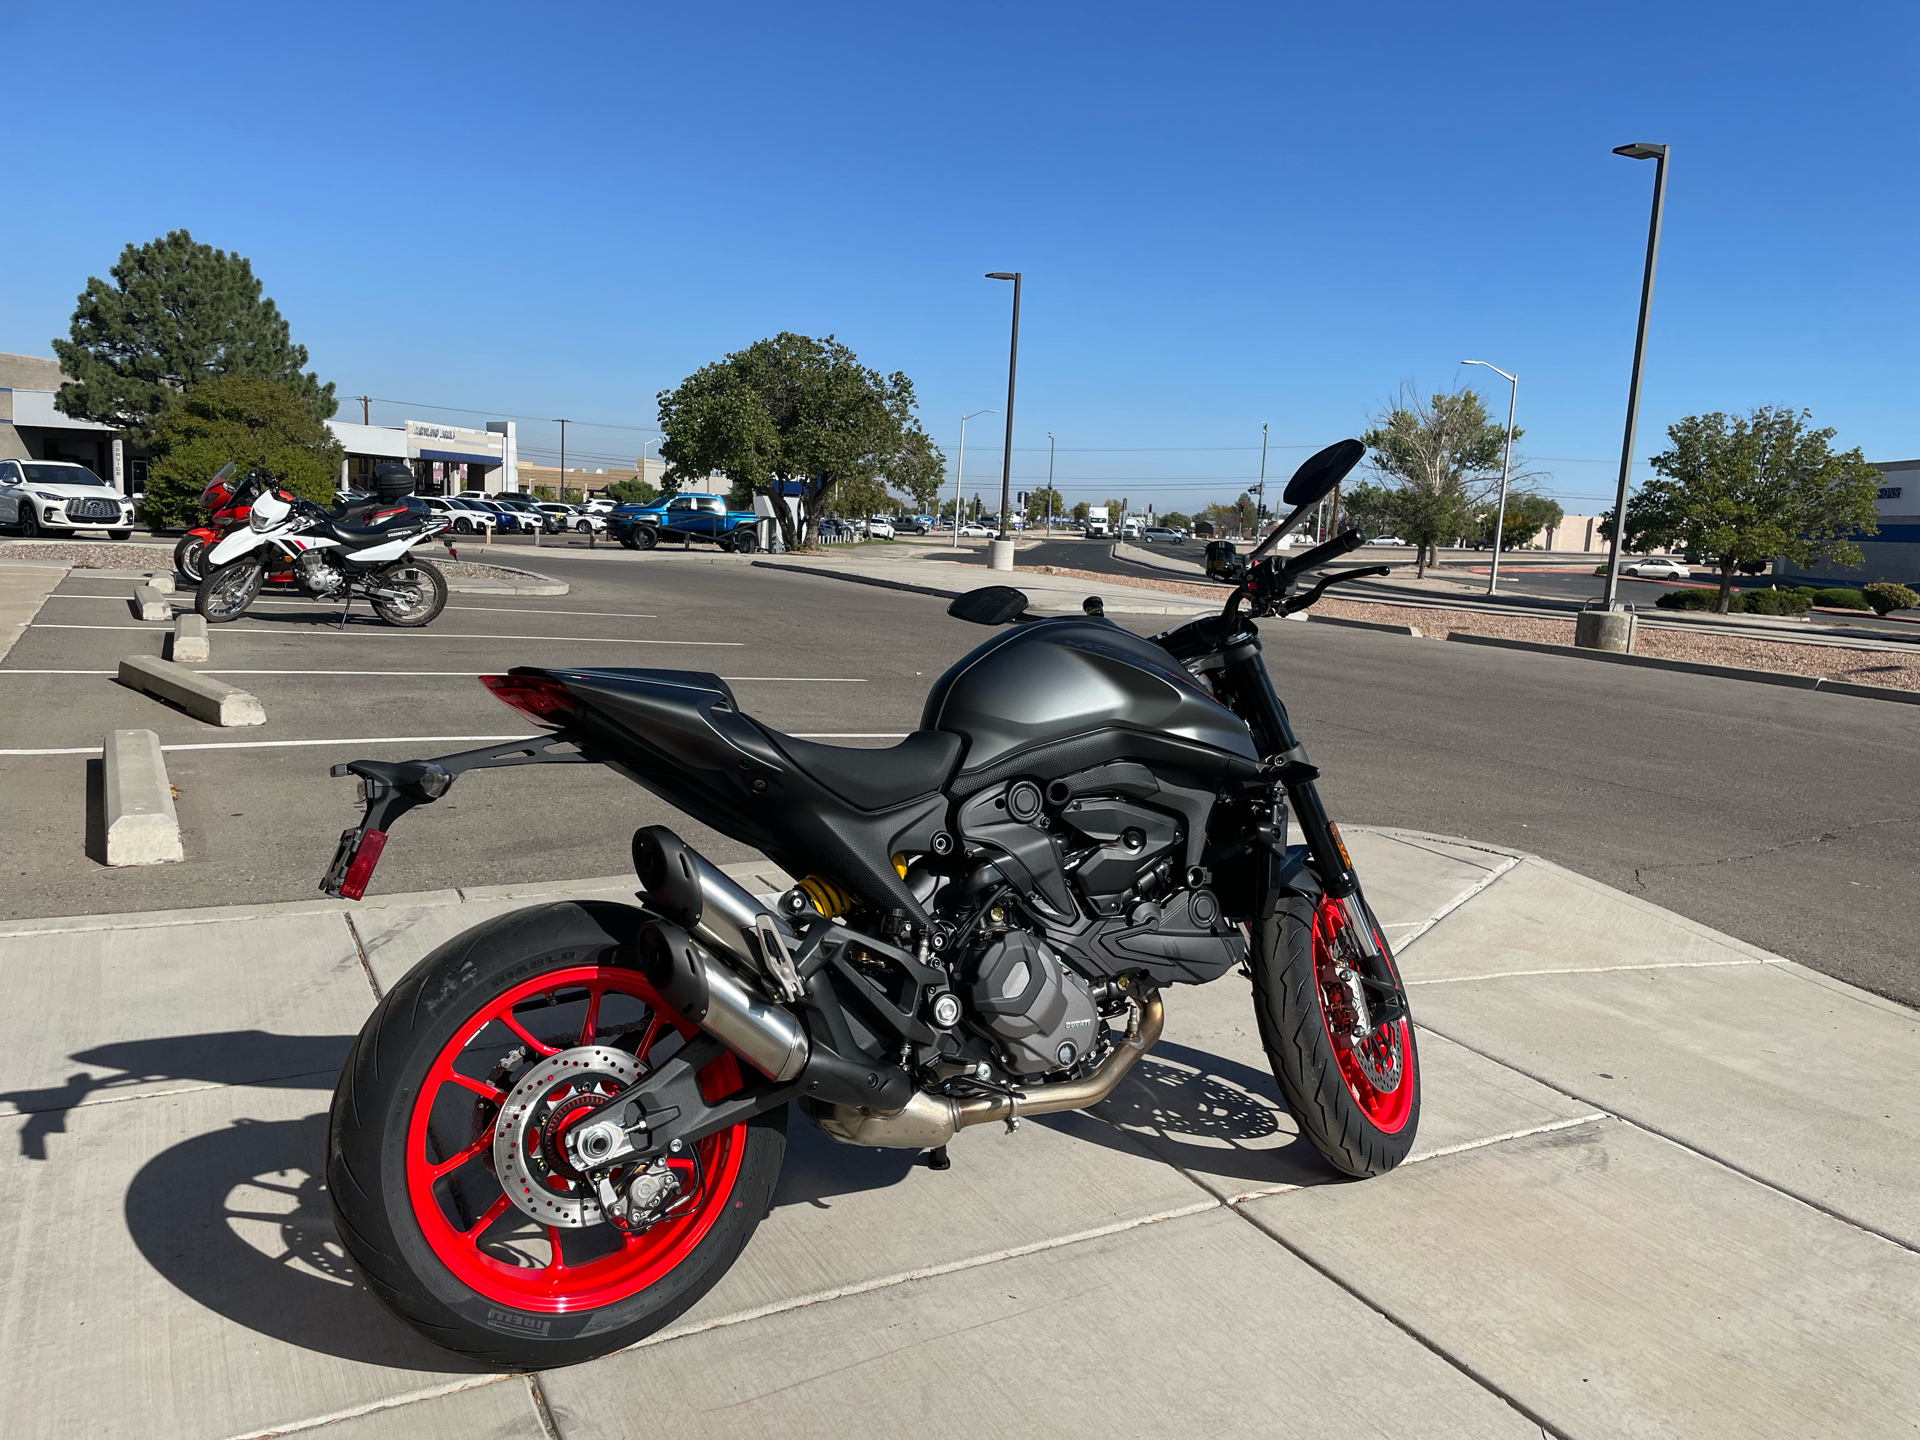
705, 991
929, 1121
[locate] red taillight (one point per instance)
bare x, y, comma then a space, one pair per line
360, 868
545, 702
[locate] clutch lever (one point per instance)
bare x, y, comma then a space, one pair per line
1301, 602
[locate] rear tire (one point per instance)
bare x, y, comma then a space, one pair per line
1358, 1130
745, 543
228, 590
641, 537
433, 593
188, 555
403, 1225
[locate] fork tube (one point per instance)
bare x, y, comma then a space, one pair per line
1259, 705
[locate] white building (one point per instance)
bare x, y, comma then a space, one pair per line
446, 459
1893, 553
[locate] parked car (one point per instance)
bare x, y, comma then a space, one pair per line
690, 517
1386, 540
974, 530
464, 518
508, 519
1160, 534
879, 528
529, 511
834, 529
1657, 567
56, 495
574, 517
600, 505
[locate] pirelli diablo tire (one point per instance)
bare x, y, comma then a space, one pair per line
1358, 1104
413, 1164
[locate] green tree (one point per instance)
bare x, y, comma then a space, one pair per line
1527, 516
1081, 511
1369, 508
1745, 489
1040, 500
238, 417
178, 313
1175, 520
793, 408
1439, 456
632, 492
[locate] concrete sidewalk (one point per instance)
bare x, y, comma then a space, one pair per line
1665, 1184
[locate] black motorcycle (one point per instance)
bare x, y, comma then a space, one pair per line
560, 1129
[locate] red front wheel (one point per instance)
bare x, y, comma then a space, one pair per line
449, 1173
1333, 1018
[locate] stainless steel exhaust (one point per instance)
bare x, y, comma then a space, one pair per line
932, 1120
704, 990
689, 889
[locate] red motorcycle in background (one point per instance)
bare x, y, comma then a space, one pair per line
228, 503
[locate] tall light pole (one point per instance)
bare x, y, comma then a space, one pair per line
1000, 555
1657, 154
1506, 466
1260, 508
563, 462
960, 472
1049, 484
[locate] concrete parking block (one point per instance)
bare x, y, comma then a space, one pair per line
142, 825
125, 1013
1617, 1284
201, 696
1196, 1326
1205, 1099
1541, 919
189, 643
1803, 1082
152, 603
183, 1243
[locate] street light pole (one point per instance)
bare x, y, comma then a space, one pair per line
1260, 509
1049, 484
1657, 154
1001, 554
960, 472
1506, 466
563, 462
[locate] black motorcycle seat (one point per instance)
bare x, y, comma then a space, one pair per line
876, 779
373, 519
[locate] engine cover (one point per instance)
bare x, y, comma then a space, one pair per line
1040, 1013
318, 574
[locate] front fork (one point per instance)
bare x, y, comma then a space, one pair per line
1253, 697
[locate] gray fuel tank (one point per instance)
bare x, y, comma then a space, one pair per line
1055, 680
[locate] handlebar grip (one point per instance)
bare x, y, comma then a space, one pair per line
1332, 550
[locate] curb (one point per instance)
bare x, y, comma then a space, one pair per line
1380, 625
858, 579
1695, 667
201, 696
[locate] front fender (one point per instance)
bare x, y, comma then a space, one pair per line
239, 543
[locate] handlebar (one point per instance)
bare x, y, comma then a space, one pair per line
1333, 549
1268, 581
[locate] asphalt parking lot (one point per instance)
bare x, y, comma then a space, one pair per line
1786, 818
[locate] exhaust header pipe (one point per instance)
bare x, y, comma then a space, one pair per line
929, 1121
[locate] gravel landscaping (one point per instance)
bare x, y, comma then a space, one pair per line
1897, 669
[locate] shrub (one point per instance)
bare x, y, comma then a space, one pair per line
1884, 595
634, 492
1841, 599
1689, 600
1807, 590
237, 417
1772, 602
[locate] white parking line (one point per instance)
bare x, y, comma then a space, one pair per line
378, 740
487, 609
385, 633
468, 675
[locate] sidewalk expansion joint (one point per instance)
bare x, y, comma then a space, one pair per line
1598, 970
1477, 888
92, 1101
541, 1409
1639, 1124
375, 1407
360, 949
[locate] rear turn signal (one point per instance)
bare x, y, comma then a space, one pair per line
545, 702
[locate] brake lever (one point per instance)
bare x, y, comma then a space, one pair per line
1301, 602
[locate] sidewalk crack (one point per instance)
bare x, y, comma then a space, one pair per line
360, 949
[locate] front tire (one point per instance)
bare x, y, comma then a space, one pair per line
188, 556
745, 543
1359, 1128
229, 589
26, 522
119, 534
420, 577
410, 1155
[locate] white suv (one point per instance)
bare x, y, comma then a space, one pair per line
42, 495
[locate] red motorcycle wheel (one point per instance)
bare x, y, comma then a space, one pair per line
586, 1281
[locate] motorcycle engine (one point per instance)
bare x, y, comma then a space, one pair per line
1040, 1013
316, 573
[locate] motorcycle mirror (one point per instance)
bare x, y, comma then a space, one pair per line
1314, 479
989, 605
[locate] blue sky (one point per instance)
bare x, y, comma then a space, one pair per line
1225, 214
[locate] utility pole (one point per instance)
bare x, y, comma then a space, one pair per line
363, 409
1049, 484
563, 462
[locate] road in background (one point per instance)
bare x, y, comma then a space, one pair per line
1785, 817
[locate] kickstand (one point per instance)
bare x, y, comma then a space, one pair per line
937, 1159
344, 609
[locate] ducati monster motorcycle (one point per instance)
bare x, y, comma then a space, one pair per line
561, 1128
361, 550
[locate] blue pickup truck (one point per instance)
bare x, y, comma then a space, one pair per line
690, 517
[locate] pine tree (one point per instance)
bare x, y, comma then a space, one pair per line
177, 313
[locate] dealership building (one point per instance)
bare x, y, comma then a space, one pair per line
32, 429
445, 459
1890, 553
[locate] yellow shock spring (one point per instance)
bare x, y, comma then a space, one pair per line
828, 898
